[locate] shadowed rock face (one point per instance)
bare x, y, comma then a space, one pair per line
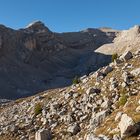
34, 59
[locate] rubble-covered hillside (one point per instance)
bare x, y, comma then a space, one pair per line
105, 105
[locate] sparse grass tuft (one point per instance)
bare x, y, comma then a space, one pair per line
38, 108
114, 57
122, 100
76, 80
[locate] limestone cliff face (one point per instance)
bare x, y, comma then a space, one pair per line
126, 40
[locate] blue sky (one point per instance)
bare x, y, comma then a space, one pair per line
70, 15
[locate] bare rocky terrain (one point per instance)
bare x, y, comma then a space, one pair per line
103, 105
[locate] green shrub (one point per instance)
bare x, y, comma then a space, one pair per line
114, 56
76, 80
37, 108
122, 100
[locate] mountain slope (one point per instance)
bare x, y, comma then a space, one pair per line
96, 108
34, 59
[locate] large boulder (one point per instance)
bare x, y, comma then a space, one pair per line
127, 126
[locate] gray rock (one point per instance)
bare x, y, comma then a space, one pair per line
92, 90
113, 83
74, 129
126, 56
43, 134
12, 128
116, 137
106, 104
68, 95
127, 126
107, 70
135, 72
98, 118
117, 61
126, 77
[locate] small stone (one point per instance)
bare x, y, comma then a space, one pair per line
139, 102
107, 70
116, 137
68, 95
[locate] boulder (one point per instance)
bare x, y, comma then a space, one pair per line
98, 118
127, 126
43, 134
126, 56
74, 129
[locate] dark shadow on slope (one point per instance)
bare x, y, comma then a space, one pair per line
78, 66
27, 68
87, 64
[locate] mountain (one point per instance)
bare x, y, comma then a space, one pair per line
104, 106
34, 59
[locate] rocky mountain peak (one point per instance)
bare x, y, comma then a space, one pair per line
37, 26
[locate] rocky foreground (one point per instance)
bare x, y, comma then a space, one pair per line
105, 105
